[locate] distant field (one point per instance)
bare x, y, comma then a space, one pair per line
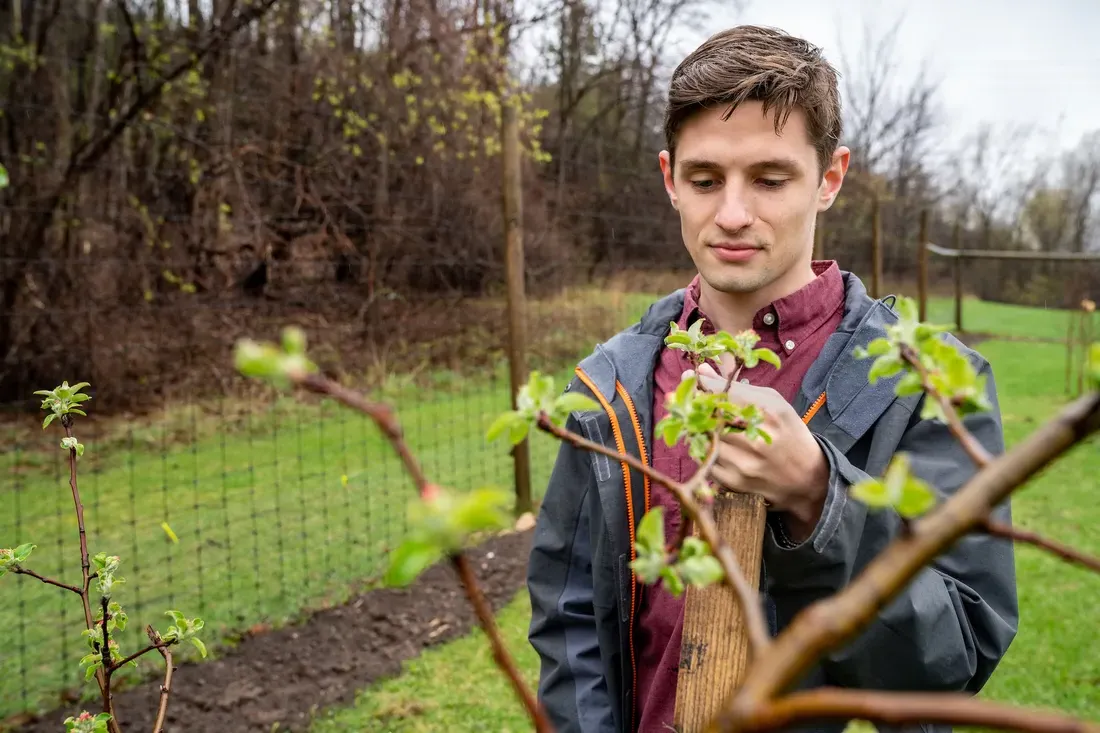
1054, 662
287, 506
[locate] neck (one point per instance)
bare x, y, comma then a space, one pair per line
733, 312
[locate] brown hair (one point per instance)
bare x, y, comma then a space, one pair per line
753, 63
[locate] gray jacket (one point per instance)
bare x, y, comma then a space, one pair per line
947, 631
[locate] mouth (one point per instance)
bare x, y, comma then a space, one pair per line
734, 251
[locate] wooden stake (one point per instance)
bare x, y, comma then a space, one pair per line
513, 266
876, 248
714, 651
922, 265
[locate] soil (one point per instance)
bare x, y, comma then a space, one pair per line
284, 675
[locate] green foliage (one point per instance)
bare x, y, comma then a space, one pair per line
898, 489
278, 364
710, 347
1094, 365
917, 351
13, 558
695, 415
62, 401
184, 629
87, 723
694, 564
443, 522
536, 398
105, 568
3, 177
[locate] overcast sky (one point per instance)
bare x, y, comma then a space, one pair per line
1033, 61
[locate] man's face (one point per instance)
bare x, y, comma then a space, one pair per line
748, 198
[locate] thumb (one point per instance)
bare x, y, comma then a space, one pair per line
710, 378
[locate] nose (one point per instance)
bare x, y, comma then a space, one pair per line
734, 213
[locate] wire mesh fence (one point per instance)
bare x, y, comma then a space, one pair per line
249, 507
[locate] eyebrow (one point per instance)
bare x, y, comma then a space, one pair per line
784, 165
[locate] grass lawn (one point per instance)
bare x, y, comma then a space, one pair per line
292, 507
1054, 661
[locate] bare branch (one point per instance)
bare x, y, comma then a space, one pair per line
1069, 554
907, 708
500, 653
166, 688
19, 570
833, 620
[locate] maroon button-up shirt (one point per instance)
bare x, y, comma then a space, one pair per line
794, 327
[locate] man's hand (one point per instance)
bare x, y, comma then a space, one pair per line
791, 473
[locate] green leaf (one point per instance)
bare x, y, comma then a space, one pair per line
512, 423
648, 566
410, 559
673, 583
49, 419
481, 510
884, 367
871, 492
769, 356
574, 402
200, 646
22, 552
3, 177
670, 428
916, 498
650, 536
294, 340
701, 571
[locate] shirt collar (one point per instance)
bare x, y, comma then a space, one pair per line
790, 318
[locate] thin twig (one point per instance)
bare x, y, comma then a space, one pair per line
19, 570
970, 444
108, 668
383, 417
122, 663
165, 689
380, 413
754, 618
1070, 554
829, 622
85, 563
698, 480
907, 708
500, 652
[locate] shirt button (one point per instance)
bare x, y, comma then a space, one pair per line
769, 318
744, 381
789, 345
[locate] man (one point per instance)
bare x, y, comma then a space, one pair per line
752, 131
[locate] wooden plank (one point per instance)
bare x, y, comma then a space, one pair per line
714, 651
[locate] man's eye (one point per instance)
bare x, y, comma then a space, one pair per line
771, 182
704, 184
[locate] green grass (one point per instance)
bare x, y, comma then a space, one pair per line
267, 525
1054, 661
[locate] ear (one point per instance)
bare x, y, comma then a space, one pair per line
833, 178
666, 173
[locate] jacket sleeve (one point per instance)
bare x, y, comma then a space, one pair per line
955, 620
571, 687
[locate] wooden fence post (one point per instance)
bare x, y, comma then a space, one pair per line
956, 240
876, 247
514, 272
922, 265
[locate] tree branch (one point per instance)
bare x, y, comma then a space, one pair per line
166, 688
19, 570
831, 621
1069, 554
381, 414
907, 708
746, 596
383, 417
500, 653
970, 444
